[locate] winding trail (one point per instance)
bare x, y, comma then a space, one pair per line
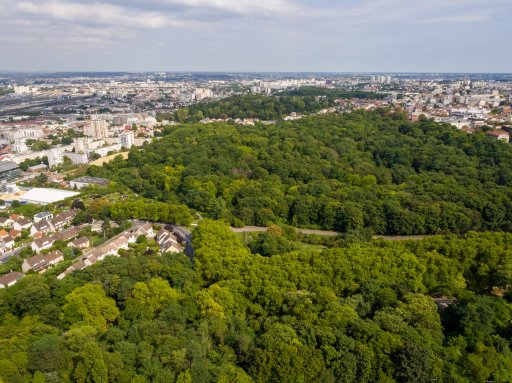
259, 229
329, 233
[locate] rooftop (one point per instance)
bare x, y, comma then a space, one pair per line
6, 166
45, 195
92, 180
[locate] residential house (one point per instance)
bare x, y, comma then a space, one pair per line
38, 235
14, 217
42, 243
171, 247
7, 243
10, 279
63, 219
80, 265
66, 235
168, 242
15, 233
146, 229
81, 243
41, 263
111, 247
499, 135
42, 226
6, 222
44, 215
3, 233
22, 224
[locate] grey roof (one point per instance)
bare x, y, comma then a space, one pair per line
92, 180
7, 166
38, 167
10, 277
42, 214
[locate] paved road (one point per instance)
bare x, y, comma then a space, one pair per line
5, 257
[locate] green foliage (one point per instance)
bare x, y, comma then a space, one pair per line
30, 162
358, 313
373, 171
40, 145
5, 91
88, 305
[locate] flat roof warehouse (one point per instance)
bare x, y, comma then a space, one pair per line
43, 196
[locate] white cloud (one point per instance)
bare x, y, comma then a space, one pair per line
457, 19
104, 14
285, 31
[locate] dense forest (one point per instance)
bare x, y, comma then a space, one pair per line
361, 170
359, 313
332, 94
267, 108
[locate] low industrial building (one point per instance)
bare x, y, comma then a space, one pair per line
9, 171
43, 196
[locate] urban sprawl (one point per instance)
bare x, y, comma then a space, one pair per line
51, 124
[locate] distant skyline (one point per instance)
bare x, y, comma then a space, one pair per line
257, 36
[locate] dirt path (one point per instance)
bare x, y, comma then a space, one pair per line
328, 233
259, 229
402, 237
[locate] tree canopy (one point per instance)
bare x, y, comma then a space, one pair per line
373, 170
364, 312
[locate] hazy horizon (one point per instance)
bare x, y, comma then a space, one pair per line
353, 36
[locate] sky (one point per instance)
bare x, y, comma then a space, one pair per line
256, 35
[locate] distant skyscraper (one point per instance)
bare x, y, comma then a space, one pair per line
127, 139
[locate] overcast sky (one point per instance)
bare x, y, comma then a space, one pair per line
256, 35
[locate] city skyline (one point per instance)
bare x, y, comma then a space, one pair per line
267, 36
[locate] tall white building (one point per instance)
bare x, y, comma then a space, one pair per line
81, 144
20, 89
96, 129
20, 146
17, 134
202, 93
55, 157
127, 139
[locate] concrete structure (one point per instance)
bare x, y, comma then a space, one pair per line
55, 157
17, 134
105, 150
20, 146
96, 129
127, 139
77, 158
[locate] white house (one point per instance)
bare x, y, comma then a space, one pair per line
10, 279
22, 224
44, 215
42, 243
